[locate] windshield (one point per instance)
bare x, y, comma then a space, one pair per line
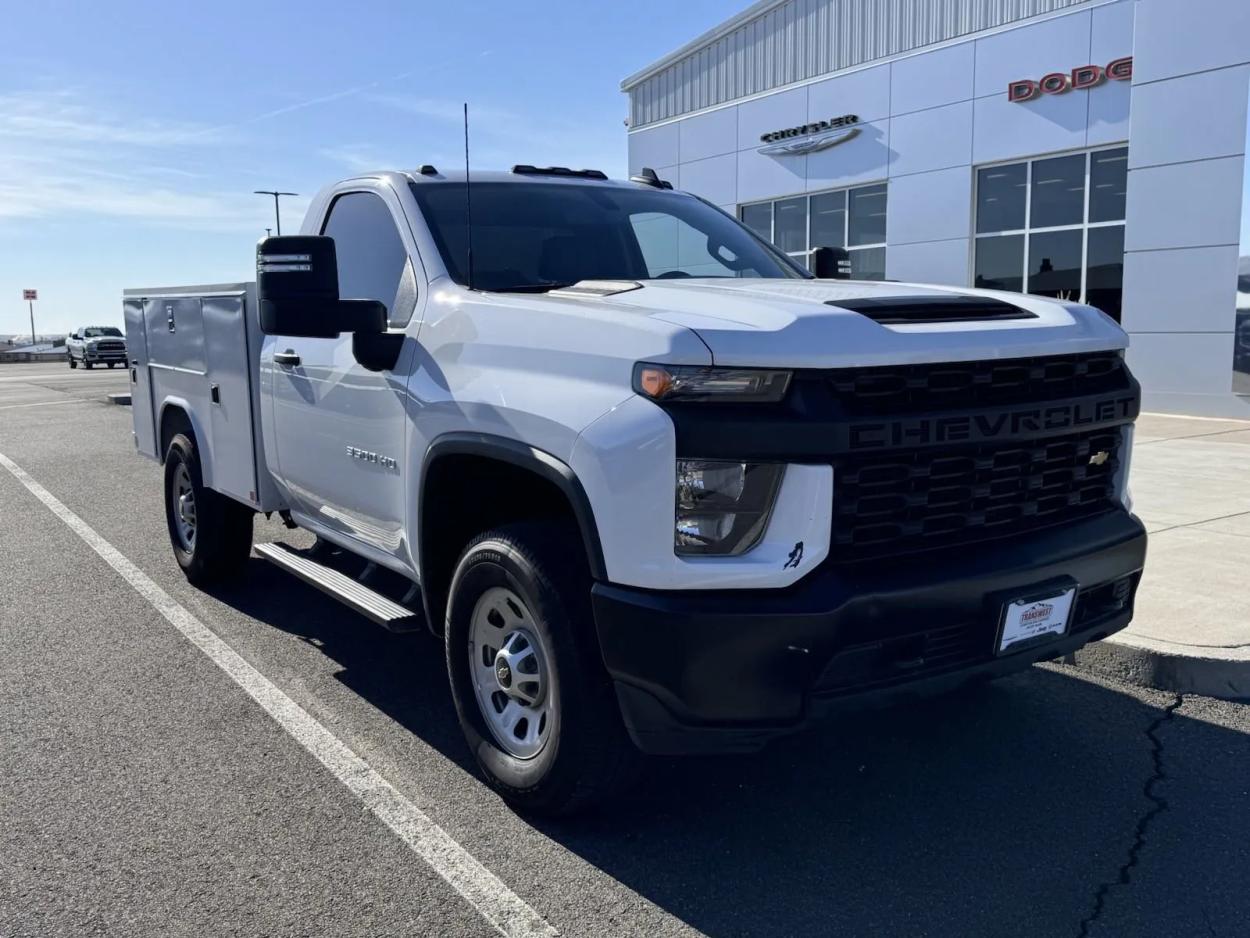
92, 332
534, 236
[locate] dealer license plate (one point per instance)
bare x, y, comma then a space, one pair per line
1035, 616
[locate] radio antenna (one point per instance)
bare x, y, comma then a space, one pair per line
468, 205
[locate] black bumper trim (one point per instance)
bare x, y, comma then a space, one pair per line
724, 671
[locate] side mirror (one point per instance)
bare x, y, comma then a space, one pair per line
831, 263
297, 284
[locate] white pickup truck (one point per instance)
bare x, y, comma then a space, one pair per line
657, 488
95, 345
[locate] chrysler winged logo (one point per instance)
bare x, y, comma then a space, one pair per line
809, 138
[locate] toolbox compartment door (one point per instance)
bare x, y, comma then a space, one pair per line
230, 408
142, 413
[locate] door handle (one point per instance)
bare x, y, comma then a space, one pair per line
286, 358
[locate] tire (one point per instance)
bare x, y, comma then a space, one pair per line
221, 528
72, 363
86, 364
586, 756
111, 364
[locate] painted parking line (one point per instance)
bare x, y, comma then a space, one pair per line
72, 400
481, 888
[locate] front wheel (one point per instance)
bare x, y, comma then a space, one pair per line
210, 533
86, 364
535, 704
72, 363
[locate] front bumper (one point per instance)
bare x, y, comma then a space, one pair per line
725, 671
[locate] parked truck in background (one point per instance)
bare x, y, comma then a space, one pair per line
95, 345
657, 489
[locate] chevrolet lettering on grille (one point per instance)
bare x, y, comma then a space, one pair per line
973, 428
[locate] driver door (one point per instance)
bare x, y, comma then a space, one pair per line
340, 429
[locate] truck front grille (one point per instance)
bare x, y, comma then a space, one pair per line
910, 500
116, 346
901, 389
938, 494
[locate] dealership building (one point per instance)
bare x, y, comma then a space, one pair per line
1092, 150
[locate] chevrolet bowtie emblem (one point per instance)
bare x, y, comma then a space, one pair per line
1099, 458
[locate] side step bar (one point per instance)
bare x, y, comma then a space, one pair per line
372, 605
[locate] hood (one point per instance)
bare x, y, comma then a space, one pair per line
800, 324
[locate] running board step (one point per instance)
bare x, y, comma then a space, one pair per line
372, 605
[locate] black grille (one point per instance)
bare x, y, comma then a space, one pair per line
114, 346
911, 500
898, 389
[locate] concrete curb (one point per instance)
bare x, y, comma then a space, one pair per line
1213, 672
123, 399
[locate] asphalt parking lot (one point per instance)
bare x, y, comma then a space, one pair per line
142, 792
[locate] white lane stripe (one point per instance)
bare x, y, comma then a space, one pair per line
498, 904
72, 400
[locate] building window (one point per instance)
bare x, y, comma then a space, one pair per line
1054, 227
848, 218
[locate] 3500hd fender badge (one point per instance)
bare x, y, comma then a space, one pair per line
386, 462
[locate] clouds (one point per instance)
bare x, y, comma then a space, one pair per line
65, 157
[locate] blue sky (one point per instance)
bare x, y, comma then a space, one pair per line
133, 133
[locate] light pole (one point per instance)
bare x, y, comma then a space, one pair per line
276, 217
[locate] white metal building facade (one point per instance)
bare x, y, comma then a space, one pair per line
1090, 149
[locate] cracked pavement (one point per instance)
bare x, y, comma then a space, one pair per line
141, 793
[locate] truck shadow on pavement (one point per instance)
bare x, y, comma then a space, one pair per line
1045, 804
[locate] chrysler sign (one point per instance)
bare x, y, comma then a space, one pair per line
1086, 76
808, 138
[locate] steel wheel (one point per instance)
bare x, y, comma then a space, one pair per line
182, 495
512, 678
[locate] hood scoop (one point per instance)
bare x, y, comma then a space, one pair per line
907, 310
594, 289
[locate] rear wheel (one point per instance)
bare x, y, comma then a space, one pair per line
86, 364
211, 534
535, 704
111, 364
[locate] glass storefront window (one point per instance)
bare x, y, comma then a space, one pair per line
759, 218
828, 219
1057, 196
1001, 197
1108, 182
867, 216
1104, 269
1000, 263
1055, 264
1054, 227
868, 264
790, 224
851, 218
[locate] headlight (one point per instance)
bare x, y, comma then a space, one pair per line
723, 507
685, 383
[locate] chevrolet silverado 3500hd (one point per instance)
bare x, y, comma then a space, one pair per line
658, 489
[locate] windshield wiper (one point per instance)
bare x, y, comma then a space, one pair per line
540, 287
